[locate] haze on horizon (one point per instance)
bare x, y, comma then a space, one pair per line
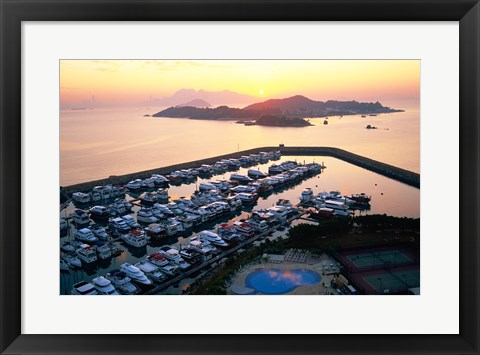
106, 83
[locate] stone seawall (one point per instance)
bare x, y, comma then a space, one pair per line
405, 176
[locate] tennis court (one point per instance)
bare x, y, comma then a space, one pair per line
393, 282
370, 259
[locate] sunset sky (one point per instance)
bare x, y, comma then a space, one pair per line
133, 82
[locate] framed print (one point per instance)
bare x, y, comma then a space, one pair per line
285, 177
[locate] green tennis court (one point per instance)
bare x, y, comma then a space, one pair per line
395, 282
364, 260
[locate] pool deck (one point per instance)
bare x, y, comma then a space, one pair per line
311, 263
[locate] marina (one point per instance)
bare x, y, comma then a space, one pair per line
193, 223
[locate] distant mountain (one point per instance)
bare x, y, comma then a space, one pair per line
279, 112
215, 98
304, 107
198, 103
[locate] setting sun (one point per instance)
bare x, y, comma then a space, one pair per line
261, 92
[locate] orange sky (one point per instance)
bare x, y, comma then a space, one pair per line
133, 82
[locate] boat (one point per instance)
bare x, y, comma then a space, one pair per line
119, 225
155, 231
68, 247
189, 254
83, 288
80, 217
85, 235
325, 122
160, 180
135, 238
148, 183
258, 225
73, 261
103, 251
244, 229
206, 186
81, 197
63, 224
134, 185
130, 221
99, 231
158, 259
145, 216
64, 265
170, 270
115, 249
322, 213
306, 196
240, 178
120, 207
204, 247
275, 169
213, 238
340, 208
152, 271
256, 174
361, 198
171, 254
87, 253
162, 195
135, 274
104, 286
122, 282
247, 198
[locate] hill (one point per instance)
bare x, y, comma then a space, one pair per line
215, 98
198, 103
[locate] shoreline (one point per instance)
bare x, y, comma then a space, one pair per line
405, 176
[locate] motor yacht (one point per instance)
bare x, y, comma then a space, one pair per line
104, 286
306, 196
99, 231
340, 208
171, 254
160, 180
247, 198
103, 251
241, 178
119, 225
256, 174
130, 221
135, 274
122, 282
83, 288
87, 253
244, 229
73, 261
134, 185
361, 198
259, 225
63, 224
85, 235
146, 216
213, 238
135, 238
158, 259
148, 183
80, 217
81, 197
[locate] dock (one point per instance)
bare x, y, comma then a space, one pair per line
405, 176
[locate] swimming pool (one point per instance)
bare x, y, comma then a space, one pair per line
277, 281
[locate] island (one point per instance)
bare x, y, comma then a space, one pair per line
288, 112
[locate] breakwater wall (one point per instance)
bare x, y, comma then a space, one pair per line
393, 172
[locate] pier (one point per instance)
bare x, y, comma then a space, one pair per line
390, 171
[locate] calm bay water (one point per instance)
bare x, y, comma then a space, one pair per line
95, 144
388, 196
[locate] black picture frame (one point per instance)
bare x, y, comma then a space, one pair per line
13, 12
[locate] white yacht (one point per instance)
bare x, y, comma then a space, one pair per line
306, 196
240, 178
206, 186
85, 235
148, 183
87, 253
204, 247
99, 231
340, 208
134, 185
159, 179
171, 254
151, 270
145, 216
135, 238
119, 225
63, 224
247, 198
80, 218
280, 213
244, 229
73, 261
103, 251
213, 238
135, 274
83, 288
104, 286
130, 221
258, 225
256, 174
81, 197
122, 282
158, 259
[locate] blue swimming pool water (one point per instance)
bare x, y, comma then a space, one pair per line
277, 282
